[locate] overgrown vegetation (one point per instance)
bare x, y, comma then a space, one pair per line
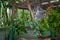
23, 20
51, 22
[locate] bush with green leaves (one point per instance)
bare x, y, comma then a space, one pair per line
51, 23
54, 20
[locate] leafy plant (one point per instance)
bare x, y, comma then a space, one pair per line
54, 20
51, 22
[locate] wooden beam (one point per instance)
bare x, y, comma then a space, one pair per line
23, 5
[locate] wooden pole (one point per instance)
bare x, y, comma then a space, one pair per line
29, 7
15, 7
14, 11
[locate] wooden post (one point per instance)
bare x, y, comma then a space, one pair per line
15, 7
29, 7
14, 11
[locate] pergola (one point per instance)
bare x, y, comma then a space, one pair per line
22, 4
29, 4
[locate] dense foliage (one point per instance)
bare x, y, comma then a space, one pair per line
23, 20
51, 22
